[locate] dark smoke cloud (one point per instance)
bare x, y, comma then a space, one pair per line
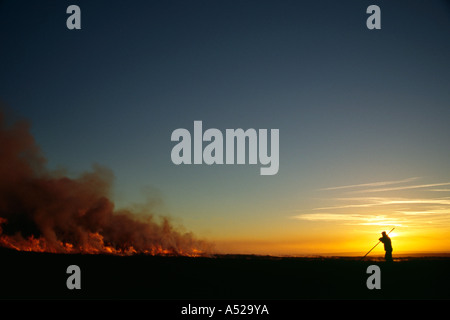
60, 212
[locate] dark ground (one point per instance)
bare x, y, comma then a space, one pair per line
28, 275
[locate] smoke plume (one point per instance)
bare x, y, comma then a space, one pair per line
46, 211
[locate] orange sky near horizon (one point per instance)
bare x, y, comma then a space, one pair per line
403, 243
348, 220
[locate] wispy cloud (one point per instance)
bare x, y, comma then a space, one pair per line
379, 201
364, 202
352, 219
405, 219
430, 212
371, 184
419, 186
406, 209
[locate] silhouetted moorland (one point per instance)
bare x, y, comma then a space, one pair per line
30, 275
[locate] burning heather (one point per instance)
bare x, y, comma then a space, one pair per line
47, 212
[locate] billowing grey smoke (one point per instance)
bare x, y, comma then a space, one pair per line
45, 211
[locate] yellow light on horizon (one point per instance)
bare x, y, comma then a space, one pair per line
393, 235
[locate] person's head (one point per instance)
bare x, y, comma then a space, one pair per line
383, 233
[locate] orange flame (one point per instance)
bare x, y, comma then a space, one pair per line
96, 245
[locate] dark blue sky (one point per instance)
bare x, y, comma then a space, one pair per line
352, 105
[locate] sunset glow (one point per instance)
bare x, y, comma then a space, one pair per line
256, 127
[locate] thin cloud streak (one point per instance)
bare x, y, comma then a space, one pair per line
406, 210
404, 188
432, 219
438, 211
372, 184
351, 219
384, 202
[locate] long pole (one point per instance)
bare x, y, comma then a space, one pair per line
375, 245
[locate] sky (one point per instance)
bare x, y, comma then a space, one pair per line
362, 114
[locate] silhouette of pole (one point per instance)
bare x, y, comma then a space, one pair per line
375, 245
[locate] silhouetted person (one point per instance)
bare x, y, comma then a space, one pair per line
387, 246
